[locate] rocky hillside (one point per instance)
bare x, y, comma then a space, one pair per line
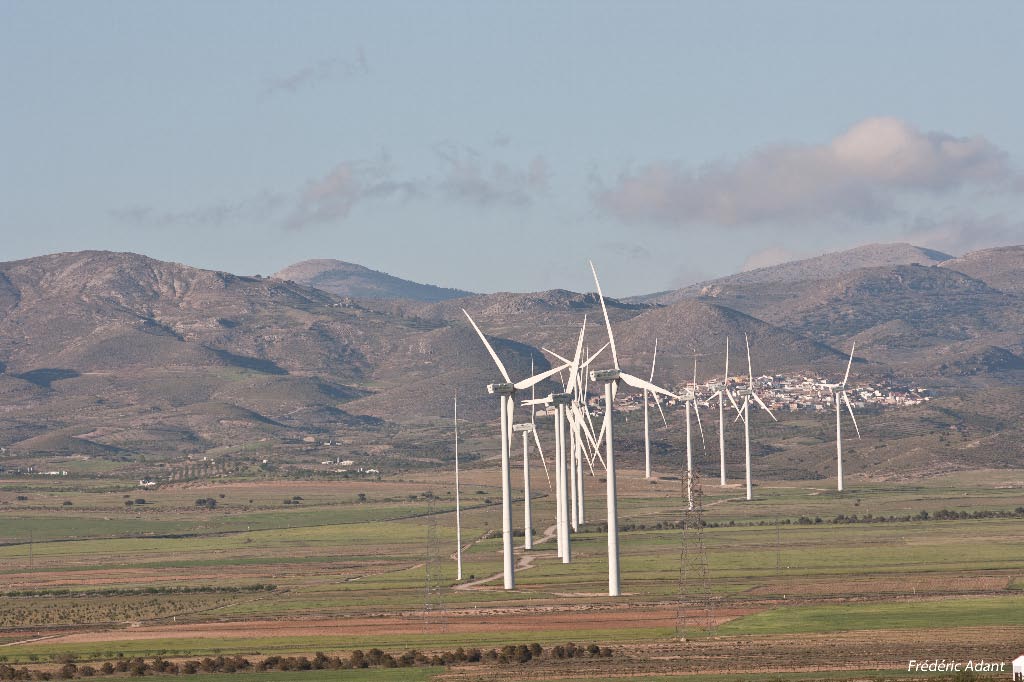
356, 281
1000, 268
114, 354
819, 268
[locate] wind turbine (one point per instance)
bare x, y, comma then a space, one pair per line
690, 396
458, 506
526, 429
839, 411
747, 394
647, 422
559, 400
722, 394
611, 379
506, 390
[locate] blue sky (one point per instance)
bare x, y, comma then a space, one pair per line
497, 146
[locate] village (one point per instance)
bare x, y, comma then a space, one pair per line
788, 393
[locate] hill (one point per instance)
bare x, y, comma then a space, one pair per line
814, 269
356, 281
1001, 268
120, 356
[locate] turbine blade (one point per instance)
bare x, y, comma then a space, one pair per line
607, 322
850, 408
732, 400
593, 357
637, 382
654, 359
657, 401
560, 358
574, 366
533, 396
760, 402
750, 368
490, 350
700, 426
847, 375
537, 378
727, 360
540, 451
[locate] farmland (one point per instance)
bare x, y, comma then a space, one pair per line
343, 567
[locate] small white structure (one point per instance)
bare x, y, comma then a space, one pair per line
1018, 669
146, 483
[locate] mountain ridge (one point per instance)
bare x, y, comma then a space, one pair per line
357, 281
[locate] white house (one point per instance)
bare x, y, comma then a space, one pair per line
1018, 669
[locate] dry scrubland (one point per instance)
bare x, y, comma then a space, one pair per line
342, 568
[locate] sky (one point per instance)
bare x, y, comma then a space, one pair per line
496, 146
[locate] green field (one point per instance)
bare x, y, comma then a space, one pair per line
355, 548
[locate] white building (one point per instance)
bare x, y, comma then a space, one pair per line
1018, 669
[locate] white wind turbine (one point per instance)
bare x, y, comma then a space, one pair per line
559, 400
747, 394
611, 379
841, 397
578, 417
506, 391
647, 421
458, 506
690, 396
567, 468
722, 393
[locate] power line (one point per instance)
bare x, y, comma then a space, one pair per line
693, 613
435, 615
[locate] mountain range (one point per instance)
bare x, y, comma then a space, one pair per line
118, 355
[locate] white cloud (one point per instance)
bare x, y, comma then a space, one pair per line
211, 215
468, 177
333, 196
959, 234
861, 174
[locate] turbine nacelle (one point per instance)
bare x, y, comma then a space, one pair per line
526, 427
504, 388
605, 375
560, 398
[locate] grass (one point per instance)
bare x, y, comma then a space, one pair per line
333, 556
1006, 611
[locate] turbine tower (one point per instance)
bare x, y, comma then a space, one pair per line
526, 429
458, 506
506, 390
611, 379
841, 398
722, 393
748, 394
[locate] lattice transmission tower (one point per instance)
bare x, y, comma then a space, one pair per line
693, 613
435, 615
